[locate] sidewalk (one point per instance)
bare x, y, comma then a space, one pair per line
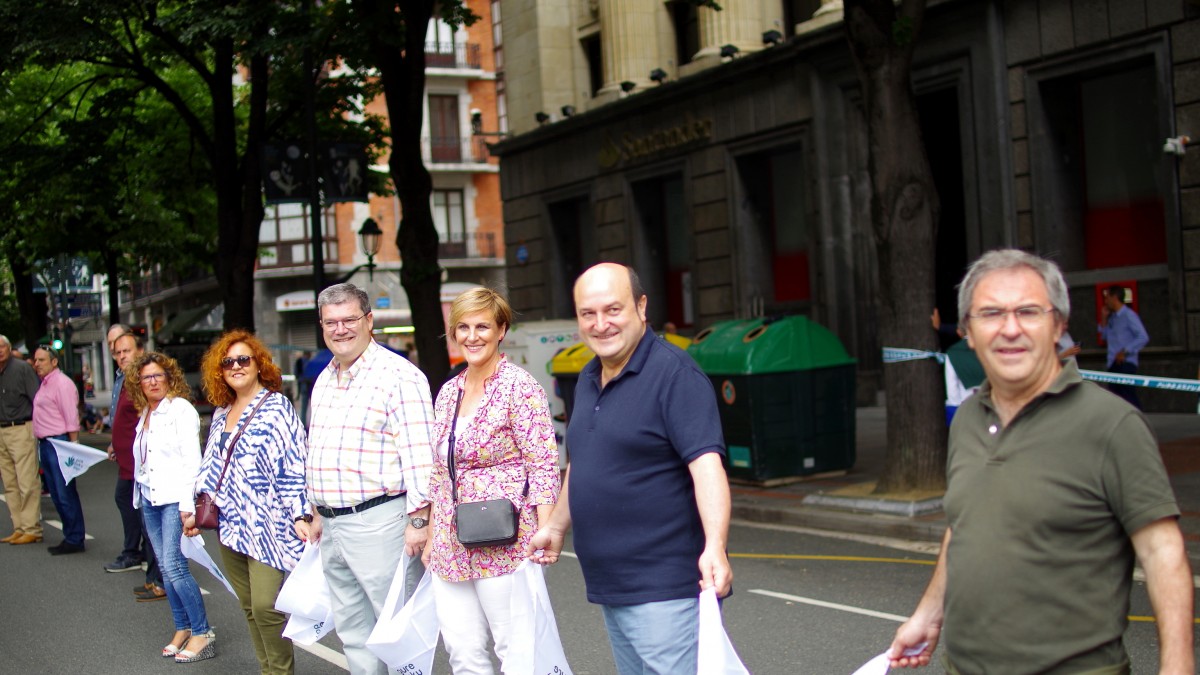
1179, 442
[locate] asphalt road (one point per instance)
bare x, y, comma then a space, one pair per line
803, 603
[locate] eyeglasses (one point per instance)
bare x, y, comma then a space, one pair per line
152, 377
242, 361
1029, 316
349, 324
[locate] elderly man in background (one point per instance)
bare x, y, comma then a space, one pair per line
56, 416
18, 449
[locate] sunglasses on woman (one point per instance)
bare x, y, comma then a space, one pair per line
242, 361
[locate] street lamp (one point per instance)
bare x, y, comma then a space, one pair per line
369, 237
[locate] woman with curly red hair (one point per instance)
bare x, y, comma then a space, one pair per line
254, 469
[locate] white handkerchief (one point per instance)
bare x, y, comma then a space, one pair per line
193, 548
75, 458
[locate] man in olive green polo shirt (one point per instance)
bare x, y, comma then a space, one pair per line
1053, 486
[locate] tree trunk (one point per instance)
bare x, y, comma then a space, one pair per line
238, 186
31, 306
113, 273
403, 77
904, 214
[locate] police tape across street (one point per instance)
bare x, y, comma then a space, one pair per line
899, 355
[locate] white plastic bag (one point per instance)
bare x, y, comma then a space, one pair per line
716, 653
305, 591
534, 647
305, 596
193, 548
305, 630
880, 664
405, 637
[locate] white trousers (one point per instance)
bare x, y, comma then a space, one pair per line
466, 611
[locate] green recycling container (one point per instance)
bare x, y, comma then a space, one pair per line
785, 390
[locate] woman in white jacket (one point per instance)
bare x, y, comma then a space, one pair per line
166, 459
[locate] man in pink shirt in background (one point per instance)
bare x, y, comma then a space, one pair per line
56, 415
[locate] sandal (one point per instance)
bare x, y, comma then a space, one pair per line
208, 651
173, 649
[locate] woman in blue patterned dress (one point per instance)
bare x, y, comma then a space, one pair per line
262, 493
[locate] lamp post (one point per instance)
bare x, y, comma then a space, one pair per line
370, 237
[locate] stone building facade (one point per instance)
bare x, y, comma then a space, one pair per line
738, 185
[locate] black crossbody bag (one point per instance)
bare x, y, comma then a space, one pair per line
494, 522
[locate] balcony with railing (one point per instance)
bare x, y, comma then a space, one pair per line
454, 149
467, 245
452, 55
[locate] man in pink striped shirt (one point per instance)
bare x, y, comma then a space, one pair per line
56, 415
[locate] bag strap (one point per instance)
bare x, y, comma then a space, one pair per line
233, 441
450, 455
450, 449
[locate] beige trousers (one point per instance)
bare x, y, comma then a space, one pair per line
19, 471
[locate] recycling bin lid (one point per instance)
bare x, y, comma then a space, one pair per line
770, 345
570, 361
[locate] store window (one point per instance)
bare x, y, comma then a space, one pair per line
778, 262
663, 250
574, 249
1103, 199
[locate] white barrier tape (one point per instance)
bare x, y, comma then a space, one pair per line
1148, 381
898, 355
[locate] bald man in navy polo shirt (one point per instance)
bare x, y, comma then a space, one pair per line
646, 490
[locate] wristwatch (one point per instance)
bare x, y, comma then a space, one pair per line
306, 518
418, 523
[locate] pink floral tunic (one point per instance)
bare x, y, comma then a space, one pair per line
509, 437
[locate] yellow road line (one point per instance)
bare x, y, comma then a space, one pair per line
1150, 619
834, 558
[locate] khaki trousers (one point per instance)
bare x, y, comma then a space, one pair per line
257, 586
19, 471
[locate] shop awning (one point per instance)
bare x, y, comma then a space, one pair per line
181, 323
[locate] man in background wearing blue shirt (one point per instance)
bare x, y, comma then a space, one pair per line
1126, 336
646, 490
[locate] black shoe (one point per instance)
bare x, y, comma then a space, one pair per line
122, 564
66, 548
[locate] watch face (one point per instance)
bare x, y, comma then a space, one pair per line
418, 523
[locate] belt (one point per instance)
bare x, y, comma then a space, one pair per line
334, 511
15, 424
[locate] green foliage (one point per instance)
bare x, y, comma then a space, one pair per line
93, 166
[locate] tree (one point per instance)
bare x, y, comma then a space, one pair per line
233, 51
92, 168
394, 37
904, 218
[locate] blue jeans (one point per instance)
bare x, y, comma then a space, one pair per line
659, 638
64, 495
164, 530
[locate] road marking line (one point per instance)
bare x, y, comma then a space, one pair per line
322, 652
58, 525
831, 605
837, 558
926, 547
883, 615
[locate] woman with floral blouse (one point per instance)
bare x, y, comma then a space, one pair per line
262, 492
503, 438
